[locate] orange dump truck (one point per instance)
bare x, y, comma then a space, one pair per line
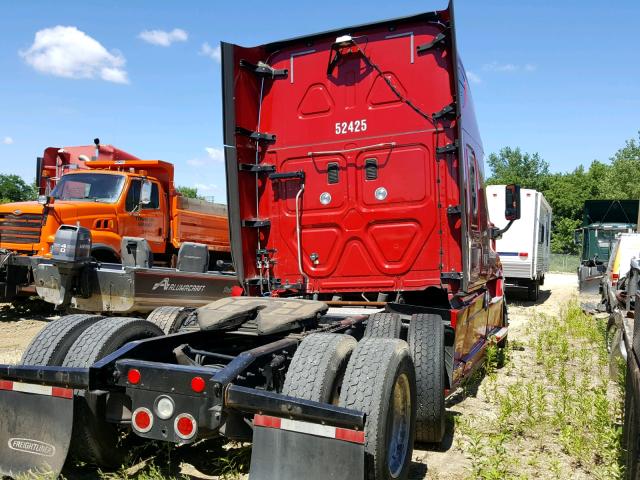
113, 199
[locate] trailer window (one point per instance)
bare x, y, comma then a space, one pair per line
473, 185
541, 235
133, 197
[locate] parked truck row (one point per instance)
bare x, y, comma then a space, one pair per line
323, 215
114, 195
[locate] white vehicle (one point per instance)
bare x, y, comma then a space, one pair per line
626, 247
524, 249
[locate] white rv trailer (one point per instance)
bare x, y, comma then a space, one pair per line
525, 248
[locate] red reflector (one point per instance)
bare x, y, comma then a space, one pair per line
453, 318
353, 436
6, 385
523, 254
142, 419
237, 291
265, 421
615, 276
185, 426
133, 376
197, 384
62, 392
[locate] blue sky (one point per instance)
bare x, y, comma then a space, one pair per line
560, 78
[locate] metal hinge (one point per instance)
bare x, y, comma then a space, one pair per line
438, 39
286, 175
454, 210
448, 111
265, 70
257, 168
257, 136
256, 223
451, 276
452, 147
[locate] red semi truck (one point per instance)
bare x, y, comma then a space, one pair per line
359, 232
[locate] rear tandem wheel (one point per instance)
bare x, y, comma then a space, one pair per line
96, 441
426, 341
169, 319
318, 367
50, 346
380, 381
383, 325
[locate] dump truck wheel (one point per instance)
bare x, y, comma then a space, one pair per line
318, 367
426, 341
94, 440
383, 325
169, 319
380, 381
51, 344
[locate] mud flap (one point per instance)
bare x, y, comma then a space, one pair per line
590, 285
291, 450
35, 429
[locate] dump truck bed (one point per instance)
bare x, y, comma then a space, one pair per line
198, 221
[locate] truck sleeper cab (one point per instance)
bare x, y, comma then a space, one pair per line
359, 231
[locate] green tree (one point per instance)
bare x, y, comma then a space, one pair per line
623, 177
189, 192
562, 235
511, 165
14, 189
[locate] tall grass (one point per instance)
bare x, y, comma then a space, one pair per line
556, 415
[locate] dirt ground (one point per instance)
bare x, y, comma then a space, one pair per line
448, 462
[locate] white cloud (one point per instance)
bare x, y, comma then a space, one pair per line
70, 53
211, 52
473, 77
162, 38
7, 140
508, 67
214, 155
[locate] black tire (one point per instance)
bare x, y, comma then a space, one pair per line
51, 344
94, 440
379, 374
533, 291
169, 319
383, 325
318, 367
426, 342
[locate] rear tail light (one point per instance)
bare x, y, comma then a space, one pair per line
614, 278
142, 419
185, 426
523, 255
198, 384
133, 376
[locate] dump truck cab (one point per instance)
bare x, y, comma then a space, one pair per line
113, 199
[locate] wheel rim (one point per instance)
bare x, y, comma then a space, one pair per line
398, 445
